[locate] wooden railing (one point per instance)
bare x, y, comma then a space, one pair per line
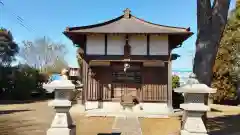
97, 91
153, 93
144, 92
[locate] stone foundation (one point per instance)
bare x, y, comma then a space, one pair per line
95, 108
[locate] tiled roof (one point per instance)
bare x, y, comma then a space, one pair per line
128, 23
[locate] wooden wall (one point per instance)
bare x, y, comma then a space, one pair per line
100, 87
108, 44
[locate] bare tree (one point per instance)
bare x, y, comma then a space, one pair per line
42, 53
57, 66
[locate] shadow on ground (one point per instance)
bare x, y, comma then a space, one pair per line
12, 111
10, 102
215, 110
109, 134
25, 119
224, 125
12, 127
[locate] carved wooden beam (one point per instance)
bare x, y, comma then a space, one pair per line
127, 48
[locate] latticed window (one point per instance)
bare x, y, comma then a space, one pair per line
127, 77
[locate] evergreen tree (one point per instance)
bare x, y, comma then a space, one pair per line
226, 71
8, 48
234, 23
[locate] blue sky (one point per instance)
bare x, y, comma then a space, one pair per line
51, 17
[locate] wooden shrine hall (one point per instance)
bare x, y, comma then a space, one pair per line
127, 61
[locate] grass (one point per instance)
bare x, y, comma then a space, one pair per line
94, 125
164, 126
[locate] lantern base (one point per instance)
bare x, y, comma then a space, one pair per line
62, 131
193, 124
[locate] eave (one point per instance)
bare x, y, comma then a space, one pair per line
130, 24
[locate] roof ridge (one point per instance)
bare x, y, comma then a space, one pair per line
94, 25
187, 29
127, 15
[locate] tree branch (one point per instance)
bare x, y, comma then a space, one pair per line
219, 18
204, 12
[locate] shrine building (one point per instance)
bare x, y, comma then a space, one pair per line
127, 61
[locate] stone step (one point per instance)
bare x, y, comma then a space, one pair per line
116, 99
127, 125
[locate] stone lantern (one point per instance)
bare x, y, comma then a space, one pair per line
62, 122
194, 106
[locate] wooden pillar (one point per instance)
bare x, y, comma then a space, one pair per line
170, 85
106, 43
84, 73
84, 80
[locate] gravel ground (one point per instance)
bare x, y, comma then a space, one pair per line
35, 119
25, 119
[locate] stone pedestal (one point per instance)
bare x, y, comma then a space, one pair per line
194, 107
62, 122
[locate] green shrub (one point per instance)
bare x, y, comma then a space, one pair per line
176, 97
19, 83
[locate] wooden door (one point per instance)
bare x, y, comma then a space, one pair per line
126, 84
130, 92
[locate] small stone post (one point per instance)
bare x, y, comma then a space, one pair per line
62, 122
194, 106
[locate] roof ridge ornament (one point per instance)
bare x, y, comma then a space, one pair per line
127, 12
67, 29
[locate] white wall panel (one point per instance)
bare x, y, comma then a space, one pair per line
138, 44
115, 45
158, 45
95, 45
